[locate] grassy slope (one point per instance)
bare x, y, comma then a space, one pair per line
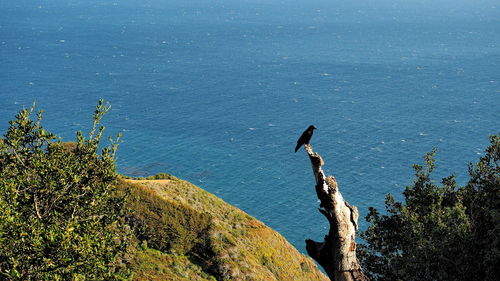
236, 246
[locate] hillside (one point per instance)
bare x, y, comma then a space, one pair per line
186, 233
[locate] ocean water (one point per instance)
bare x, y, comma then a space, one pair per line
217, 92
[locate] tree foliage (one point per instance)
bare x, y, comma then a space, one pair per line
439, 232
482, 198
59, 219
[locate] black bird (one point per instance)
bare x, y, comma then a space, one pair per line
306, 137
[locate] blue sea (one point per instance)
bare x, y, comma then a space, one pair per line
217, 92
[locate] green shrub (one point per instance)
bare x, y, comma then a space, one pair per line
440, 232
161, 176
59, 220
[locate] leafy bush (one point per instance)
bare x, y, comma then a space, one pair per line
59, 220
482, 199
439, 232
161, 176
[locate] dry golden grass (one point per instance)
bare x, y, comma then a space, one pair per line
240, 247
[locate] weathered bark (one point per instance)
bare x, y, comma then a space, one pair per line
337, 254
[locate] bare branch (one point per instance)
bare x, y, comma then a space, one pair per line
337, 254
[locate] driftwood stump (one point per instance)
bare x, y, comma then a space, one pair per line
337, 254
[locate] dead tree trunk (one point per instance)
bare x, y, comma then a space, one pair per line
337, 254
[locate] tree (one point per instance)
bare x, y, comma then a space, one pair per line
482, 198
60, 218
337, 254
439, 232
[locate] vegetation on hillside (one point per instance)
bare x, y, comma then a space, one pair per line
67, 215
226, 244
440, 232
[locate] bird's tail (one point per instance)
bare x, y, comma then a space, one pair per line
297, 147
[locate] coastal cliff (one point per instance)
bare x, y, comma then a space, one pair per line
186, 233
